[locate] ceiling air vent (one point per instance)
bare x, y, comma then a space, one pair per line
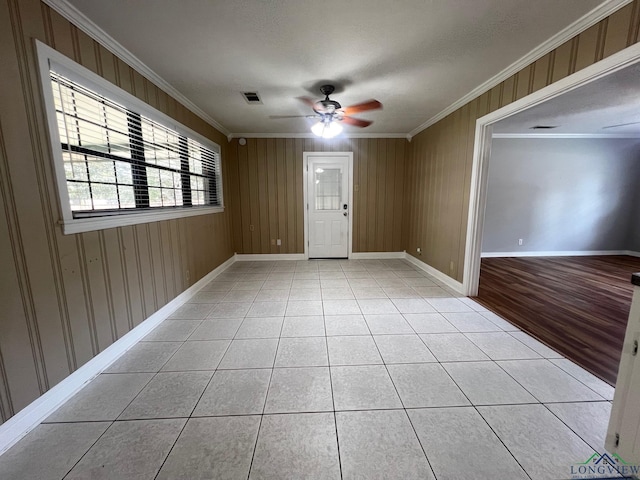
252, 97
544, 127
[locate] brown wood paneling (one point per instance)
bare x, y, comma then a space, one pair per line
269, 180
579, 306
634, 24
176, 260
494, 98
281, 201
244, 220
262, 172
587, 47
254, 217
272, 193
171, 290
112, 259
371, 197
97, 291
67, 297
562, 61
146, 278
541, 72
23, 112
522, 83
20, 376
132, 274
289, 210
618, 30
232, 193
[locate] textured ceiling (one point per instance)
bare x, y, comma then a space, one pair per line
612, 101
416, 56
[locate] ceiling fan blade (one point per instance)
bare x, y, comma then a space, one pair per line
316, 106
356, 122
362, 107
292, 116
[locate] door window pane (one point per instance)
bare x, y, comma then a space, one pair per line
328, 188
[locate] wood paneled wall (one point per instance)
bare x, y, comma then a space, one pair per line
266, 190
65, 298
439, 167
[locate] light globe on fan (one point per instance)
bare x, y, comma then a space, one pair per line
326, 129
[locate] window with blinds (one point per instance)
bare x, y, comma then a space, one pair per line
117, 160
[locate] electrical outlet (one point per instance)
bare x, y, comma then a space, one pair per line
278, 242
419, 250
520, 241
251, 228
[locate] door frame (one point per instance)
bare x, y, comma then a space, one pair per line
305, 180
482, 151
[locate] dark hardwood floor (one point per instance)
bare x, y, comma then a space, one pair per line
576, 305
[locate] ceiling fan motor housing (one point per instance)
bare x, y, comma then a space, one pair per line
327, 90
327, 106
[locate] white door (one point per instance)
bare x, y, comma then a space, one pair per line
328, 197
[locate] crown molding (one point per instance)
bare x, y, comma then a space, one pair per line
79, 19
311, 135
566, 135
599, 13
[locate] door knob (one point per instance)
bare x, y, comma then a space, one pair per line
345, 214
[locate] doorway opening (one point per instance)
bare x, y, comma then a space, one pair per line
586, 115
482, 150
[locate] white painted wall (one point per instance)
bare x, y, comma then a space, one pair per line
563, 195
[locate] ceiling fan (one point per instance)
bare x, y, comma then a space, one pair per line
329, 112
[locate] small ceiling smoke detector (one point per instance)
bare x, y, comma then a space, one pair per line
543, 127
252, 98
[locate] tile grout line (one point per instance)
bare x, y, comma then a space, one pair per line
570, 428
576, 378
501, 441
545, 406
531, 393
266, 397
404, 409
192, 410
88, 449
475, 407
319, 411
195, 405
333, 400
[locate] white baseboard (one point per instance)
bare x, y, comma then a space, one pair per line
377, 255
568, 253
446, 279
30, 417
260, 257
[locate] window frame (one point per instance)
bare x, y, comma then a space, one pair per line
48, 58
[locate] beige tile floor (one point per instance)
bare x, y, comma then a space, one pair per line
325, 369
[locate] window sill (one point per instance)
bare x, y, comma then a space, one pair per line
80, 225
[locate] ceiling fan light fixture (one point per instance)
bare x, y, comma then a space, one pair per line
326, 129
